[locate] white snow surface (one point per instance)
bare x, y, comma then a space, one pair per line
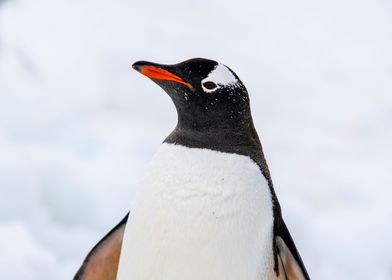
78, 125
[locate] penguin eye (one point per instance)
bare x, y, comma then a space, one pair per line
209, 85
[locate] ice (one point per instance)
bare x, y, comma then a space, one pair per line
78, 125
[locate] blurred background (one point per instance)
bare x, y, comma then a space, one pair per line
78, 125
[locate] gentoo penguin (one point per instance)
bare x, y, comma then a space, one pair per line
206, 208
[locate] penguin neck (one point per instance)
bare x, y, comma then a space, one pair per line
242, 140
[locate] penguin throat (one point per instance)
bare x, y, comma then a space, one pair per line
242, 141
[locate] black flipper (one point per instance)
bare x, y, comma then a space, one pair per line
101, 262
289, 258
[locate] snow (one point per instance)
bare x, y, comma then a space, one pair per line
78, 125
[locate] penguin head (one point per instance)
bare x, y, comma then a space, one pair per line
207, 95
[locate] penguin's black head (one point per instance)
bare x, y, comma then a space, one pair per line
212, 105
207, 95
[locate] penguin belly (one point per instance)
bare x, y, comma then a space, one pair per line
199, 214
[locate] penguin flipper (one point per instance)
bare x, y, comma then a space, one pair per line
101, 262
289, 258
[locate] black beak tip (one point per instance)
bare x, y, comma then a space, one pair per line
138, 65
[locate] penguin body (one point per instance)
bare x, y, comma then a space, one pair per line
199, 214
206, 208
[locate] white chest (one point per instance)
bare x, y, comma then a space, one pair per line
199, 214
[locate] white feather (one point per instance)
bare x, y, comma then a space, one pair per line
220, 75
199, 214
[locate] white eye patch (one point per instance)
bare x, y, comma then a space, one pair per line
221, 76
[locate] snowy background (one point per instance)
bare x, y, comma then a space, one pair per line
78, 126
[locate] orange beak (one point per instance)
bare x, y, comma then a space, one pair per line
156, 73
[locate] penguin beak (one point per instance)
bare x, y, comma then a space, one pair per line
157, 72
